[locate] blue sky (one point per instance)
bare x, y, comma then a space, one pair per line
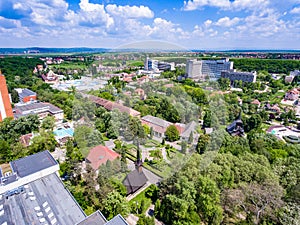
189, 24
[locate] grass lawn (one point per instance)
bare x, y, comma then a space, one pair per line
152, 143
277, 97
73, 65
137, 201
85, 151
137, 63
265, 126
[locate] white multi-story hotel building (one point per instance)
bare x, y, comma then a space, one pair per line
207, 68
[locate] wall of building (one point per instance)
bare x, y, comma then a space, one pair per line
5, 105
243, 76
25, 180
29, 98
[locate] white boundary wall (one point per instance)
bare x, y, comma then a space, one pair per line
30, 178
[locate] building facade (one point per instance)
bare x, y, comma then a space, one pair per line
213, 68
5, 105
42, 109
155, 65
25, 95
151, 64
243, 76
193, 69
207, 68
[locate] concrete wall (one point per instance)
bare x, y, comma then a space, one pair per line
32, 177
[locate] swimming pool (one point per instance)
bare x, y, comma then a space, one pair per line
64, 132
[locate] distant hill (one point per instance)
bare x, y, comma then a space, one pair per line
38, 50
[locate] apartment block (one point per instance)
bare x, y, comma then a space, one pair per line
243, 76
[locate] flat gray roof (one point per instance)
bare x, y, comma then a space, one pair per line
95, 218
33, 163
26, 92
44, 201
117, 220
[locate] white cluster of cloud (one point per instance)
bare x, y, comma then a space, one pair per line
225, 4
227, 22
53, 22
296, 10
261, 25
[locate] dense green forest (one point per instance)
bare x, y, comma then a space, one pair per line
18, 71
253, 179
269, 65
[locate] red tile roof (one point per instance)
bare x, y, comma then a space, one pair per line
25, 139
113, 105
99, 155
256, 102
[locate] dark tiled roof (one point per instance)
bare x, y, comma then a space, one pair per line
134, 181
235, 128
33, 163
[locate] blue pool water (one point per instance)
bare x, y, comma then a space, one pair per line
64, 132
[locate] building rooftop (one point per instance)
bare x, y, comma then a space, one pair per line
109, 105
35, 107
134, 181
32, 164
190, 127
157, 121
117, 220
95, 218
25, 92
36, 195
100, 155
44, 201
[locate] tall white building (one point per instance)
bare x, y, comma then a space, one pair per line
193, 69
207, 68
213, 68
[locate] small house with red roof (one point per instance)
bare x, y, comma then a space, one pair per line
256, 102
99, 155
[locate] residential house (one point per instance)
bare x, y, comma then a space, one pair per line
109, 105
273, 108
289, 79
141, 93
292, 95
256, 102
25, 139
143, 79
186, 130
158, 125
50, 78
99, 155
236, 128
